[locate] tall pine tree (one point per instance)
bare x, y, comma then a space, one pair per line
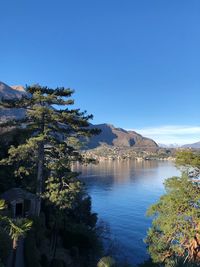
54, 131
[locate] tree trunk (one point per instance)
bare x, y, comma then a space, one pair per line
40, 169
14, 252
55, 239
40, 178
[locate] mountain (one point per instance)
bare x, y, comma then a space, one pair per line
169, 145
109, 135
194, 145
119, 137
8, 92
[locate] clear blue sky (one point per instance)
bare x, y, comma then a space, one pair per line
133, 63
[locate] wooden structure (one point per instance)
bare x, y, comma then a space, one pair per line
21, 203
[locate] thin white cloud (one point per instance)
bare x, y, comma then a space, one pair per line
172, 134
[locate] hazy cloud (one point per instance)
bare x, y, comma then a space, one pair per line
172, 134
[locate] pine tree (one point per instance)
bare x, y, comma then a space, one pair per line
49, 150
175, 233
188, 158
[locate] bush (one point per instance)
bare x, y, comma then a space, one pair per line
106, 262
30, 251
5, 246
79, 236
39, 229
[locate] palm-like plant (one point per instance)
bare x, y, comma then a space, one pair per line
16, 228
2, 219
2, 204
106, 262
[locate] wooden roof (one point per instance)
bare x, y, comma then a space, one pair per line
16, 193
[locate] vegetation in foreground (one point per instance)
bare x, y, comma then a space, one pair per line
174, 238
36, 154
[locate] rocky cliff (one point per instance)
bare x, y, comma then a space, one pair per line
119, 137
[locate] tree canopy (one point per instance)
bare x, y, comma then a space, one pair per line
175, 233
54, 131
188, 158
37, 152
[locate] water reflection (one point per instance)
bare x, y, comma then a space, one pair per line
119, 172
121, 192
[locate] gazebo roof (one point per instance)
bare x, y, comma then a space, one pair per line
16, 193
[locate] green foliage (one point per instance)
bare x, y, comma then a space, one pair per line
18, 228
80, 236
6, 172
11, 229
42, 163
39, 229
52, 143
2, 204
188, 158
81, 213
106, 262
62, 192
176, 221
174, 235
49, 125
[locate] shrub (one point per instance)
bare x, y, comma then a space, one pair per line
106, 262
30, 251
79, 236
5, 246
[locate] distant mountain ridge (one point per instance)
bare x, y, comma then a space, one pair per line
194, 145
11, 92
110, 135
169, 145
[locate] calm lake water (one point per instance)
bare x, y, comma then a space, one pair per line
121, 192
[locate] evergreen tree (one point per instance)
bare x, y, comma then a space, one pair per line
188, 158
175, 233
49, 150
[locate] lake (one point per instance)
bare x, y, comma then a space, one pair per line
121, 192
